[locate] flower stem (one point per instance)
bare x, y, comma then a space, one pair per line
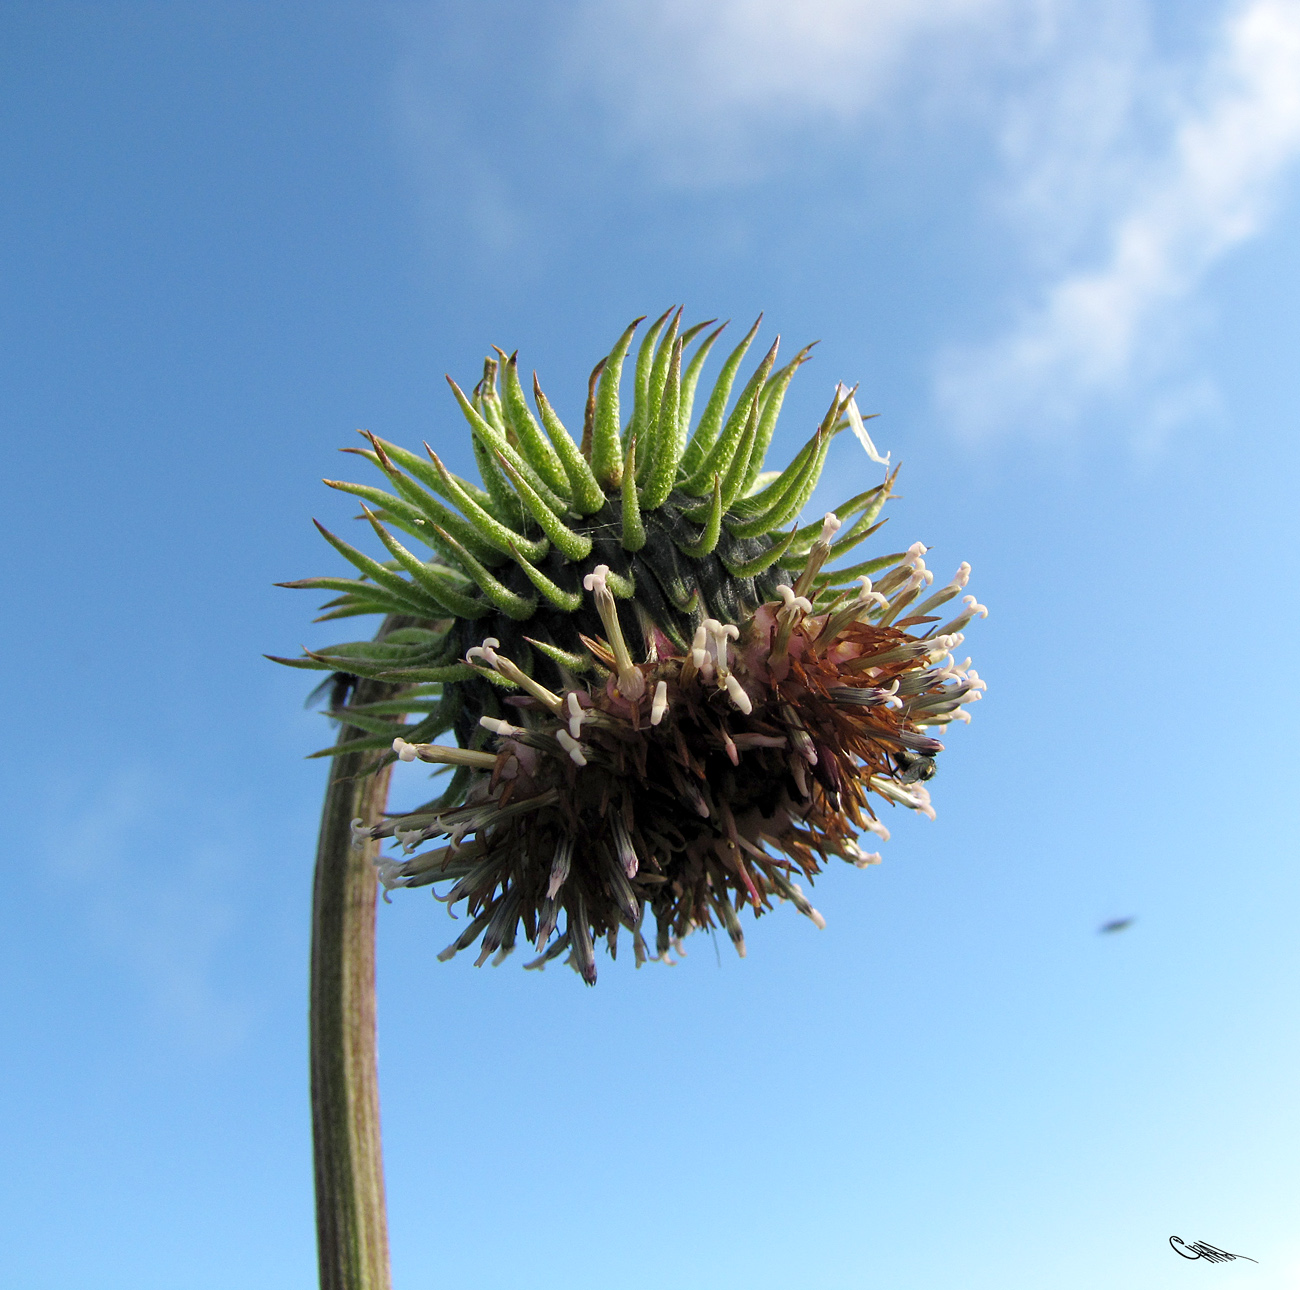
351, 1221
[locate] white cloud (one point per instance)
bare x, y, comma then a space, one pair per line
704, 89
1127, 173
1164, 216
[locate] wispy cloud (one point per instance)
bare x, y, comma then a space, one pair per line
709, 93
1164, 214
1127, 171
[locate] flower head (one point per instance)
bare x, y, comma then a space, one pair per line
681, 707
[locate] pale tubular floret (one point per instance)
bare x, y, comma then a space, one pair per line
631, 682
862, 859
738, 695
792, 612
512, 672
575, 715
720, 634
915, 795
660, 704
821, 549
441, 755
571, 746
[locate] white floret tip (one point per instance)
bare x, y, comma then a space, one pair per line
660, 704
738, 695
571, 746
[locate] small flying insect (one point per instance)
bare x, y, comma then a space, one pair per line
1116, 924
338, 685
914, 767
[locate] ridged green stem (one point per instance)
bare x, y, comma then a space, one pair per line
351, 1219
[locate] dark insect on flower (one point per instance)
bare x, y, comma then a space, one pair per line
664, 699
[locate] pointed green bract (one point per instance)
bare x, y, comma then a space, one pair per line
809, 463
381, 577
734, 479
691, 377
714, 410
490, 529
655, 392
501, 500
588, 496
803, 490
358, 593
574, 546
712, 529
535, 445
606, 454
419, 468
762, 501
432, 509
834, 577
486, 400
760, 563
773, 397
575, 663
667, 444
448, 675
809, 533
862, 527
645, 356
568, 601
437, 586
497, 441
395, 511
634, 535
510, 603
720, 456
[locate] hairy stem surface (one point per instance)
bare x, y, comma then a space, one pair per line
351, 1220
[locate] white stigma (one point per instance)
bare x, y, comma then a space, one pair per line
486, 651
738, 695
790, 601
831, 525
660, 704
571, 746
866, 596
721, 634
699, 645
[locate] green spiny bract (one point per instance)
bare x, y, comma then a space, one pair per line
767, 701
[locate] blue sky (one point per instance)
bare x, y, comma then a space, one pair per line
1059, 246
